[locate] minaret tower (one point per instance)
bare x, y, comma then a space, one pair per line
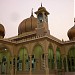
42, 17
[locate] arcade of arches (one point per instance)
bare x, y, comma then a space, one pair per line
38, 60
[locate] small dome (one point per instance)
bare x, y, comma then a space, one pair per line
27, 25
40, 9
2, 30
71, 32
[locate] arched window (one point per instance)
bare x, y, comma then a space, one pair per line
71, 59
23, 60
37, 57
58, 58
40, 17
5, 64
50, 58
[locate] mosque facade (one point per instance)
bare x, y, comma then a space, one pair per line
34, 51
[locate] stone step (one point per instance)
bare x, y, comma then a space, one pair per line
22, 72
40, 72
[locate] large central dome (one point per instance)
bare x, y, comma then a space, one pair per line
27, 25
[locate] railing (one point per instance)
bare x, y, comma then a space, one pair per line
27, 39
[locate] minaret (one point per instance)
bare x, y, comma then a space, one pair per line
42, 17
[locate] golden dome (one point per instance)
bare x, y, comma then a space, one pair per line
71, 32
2, 30
27, 25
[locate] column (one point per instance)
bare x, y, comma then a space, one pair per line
15, 64
63, 70
66, 64
47, 69
6, 67
62, 62
55, 64
43, 62
55, 61
0, 67
12, 68
30, 64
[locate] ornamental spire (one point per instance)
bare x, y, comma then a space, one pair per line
32, 12
41, 4
74, 21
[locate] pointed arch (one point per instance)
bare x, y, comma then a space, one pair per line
22, 47
58, 58
37, 57
5, 59
50, 57
23, 59
37, 49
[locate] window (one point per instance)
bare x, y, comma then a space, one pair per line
71, 59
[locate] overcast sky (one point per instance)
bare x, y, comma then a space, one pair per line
61, 17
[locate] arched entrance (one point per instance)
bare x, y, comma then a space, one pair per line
5, 61
58, 58
71, 59
37, 58
23, 60
50, 58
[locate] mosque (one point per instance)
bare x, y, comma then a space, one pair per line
34, 51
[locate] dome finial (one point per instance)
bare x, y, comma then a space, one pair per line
41, 4
32, 12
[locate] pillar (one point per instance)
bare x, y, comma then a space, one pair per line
6, 67
43, 62
0, 67
12, 67
66, 64
55, 64
62, 62
0, 64
46, 67
63, 70
15, 64
55, 61
30, 64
